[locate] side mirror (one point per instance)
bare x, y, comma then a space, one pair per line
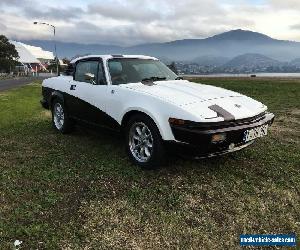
90, 77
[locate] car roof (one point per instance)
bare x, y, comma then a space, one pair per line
106, 57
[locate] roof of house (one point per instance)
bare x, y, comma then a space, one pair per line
24, 55
38, 52
31, 54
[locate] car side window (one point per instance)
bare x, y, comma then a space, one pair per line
87, 67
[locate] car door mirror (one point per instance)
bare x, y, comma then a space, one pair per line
90, 77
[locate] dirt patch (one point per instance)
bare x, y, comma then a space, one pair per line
288, 122
46, 113
295, 112
280, 129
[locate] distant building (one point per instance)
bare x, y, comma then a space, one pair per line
33, 58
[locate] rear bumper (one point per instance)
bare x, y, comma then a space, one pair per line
196, 139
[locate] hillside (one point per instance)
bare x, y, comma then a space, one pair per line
251, 60
211, 60
295, 62
242, 35
245, 63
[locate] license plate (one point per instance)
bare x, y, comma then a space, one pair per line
254, 133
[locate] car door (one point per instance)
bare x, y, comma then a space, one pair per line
89, 92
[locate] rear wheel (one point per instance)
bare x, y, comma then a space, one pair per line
143, 142
60, 118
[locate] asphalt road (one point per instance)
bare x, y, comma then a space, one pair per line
17, 82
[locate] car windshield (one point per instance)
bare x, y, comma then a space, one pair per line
131, 70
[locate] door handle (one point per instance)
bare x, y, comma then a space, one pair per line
73, 87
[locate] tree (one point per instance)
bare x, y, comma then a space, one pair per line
52, 66
172, 67
8, 54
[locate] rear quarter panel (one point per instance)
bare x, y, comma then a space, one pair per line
60, 83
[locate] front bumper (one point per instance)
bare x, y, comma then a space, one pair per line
195, 138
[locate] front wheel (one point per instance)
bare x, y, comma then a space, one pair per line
143, 142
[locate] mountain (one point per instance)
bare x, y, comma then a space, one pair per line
241, 35
229, 44
250, 61
295, 62
241, 64
211, 61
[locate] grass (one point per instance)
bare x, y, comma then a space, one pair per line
79, 191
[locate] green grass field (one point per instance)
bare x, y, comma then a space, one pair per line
80, 191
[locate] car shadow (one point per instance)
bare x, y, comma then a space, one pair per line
175, 159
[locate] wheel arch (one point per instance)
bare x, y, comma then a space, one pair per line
130, 113
55, 95
160, 119
126, 117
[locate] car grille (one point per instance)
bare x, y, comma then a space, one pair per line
226, 124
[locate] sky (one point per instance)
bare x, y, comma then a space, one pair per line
131, 22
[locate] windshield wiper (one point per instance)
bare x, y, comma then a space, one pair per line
179, 78
154, 78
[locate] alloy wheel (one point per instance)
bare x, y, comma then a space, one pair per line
140, 142
58, 116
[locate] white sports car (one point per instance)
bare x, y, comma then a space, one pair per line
153, 107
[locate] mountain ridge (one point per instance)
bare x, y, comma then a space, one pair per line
228, 44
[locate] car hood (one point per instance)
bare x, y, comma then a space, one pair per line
181, 92
197, 98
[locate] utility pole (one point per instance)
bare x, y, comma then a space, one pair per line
55, 52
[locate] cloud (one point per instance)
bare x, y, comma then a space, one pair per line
295, 26
12, 2
130, 11
128, 22
165, 20
52, 13
285, 4
126, 33
3, 27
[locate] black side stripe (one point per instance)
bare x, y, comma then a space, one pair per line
81, 110
222, 112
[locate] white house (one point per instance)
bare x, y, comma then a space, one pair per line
32, 57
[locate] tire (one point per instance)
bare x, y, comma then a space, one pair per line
60, 117
140, 133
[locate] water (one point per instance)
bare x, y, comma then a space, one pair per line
279, 75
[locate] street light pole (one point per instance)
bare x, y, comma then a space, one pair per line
55, 52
